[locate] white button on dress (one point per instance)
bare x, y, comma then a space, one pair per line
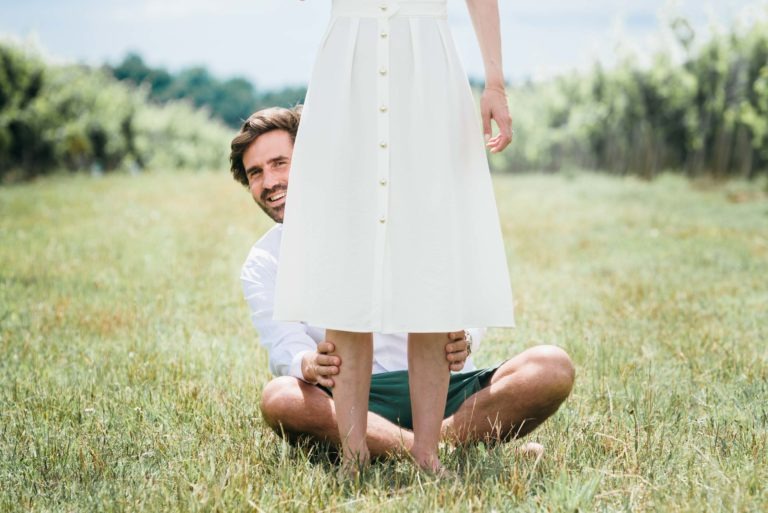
391, 223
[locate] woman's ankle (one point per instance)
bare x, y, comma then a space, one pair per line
357, 453
426, 458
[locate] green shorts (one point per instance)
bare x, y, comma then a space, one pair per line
390, 393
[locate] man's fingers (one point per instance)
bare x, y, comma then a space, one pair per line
459, 356
325, 359
326, 382
325, 347
453, 347
456, 335
457, 366
327, 370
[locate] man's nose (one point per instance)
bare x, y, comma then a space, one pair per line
271, 179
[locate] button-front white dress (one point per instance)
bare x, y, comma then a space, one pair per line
390, 222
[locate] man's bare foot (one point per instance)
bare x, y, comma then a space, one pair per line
532, 450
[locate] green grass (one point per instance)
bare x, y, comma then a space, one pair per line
130, 374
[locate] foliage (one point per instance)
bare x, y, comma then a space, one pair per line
706, 115
74, 117
131, 374
231, 100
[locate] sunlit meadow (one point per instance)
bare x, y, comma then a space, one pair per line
131, 376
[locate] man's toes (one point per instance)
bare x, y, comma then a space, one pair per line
532, 450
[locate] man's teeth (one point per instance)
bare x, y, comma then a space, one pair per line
277, 197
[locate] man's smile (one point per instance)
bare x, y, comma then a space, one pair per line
276, 199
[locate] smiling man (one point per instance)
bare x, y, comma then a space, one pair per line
493, 404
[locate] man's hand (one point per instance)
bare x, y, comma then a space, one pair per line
319, 367
457, 350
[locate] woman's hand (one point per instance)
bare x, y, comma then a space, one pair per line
493, 106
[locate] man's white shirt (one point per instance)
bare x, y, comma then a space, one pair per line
288, 342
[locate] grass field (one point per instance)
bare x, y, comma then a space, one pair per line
130, 374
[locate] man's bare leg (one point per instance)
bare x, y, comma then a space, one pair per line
296, 408
350, 394
527, 389
428, 377
523, 392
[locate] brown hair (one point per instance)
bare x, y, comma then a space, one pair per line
259, 123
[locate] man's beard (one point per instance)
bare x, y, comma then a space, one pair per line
274, 213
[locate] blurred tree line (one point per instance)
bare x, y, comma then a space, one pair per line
706, 115
74, 117
232, 100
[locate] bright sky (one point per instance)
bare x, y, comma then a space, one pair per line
272, 42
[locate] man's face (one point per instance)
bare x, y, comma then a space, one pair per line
267, 162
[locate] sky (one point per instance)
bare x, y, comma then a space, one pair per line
273, 42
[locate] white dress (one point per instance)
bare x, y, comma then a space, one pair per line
390, 221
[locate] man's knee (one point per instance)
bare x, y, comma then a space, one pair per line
280, 401
554, 369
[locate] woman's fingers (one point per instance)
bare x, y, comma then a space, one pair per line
493, 106
504, 137
498, 143
485, 112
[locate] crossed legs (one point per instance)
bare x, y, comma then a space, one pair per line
523, 393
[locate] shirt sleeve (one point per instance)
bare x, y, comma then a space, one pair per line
477, 336
285, 342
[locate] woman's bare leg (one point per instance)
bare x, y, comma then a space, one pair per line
350, 393
428, 376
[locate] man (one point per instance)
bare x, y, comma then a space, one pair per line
495, 404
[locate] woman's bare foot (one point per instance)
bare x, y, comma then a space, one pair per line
350, 397
428, 379
352, 467
428, 462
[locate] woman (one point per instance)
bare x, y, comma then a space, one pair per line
391, 225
